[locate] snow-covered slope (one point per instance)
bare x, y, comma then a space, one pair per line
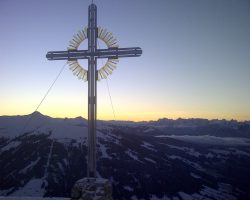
208, 139
13, 126
143, 160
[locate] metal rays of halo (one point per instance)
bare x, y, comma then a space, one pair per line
111, 42
109, 66
74, 65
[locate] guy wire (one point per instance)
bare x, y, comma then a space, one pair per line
46, 94
110, 98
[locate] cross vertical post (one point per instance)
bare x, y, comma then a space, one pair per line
92, 90
92, 54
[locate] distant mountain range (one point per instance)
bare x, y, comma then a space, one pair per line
164, 159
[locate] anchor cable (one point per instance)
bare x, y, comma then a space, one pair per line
46, 94
53, 83
110, 98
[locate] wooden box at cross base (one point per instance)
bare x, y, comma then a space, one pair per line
92, 188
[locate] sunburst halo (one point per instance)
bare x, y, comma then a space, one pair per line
106, 70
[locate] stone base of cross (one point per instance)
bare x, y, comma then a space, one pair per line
92, 188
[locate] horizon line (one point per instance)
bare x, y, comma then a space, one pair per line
136, 121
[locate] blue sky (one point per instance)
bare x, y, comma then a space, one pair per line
195, 62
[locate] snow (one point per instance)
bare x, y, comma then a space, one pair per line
128, 188
228, 152
64, 130
12, 144
13, 126
30, 166
209, 155
185, 196
224, 192
60, 166
109, 137
48, 160
239, 152
194, 175
190, 163
103, 150
148, 146
133, 155
154, 197
218, 193
106, 137
149, 130
199, 197
32, 189
208, 139
187, 150
150, 160
98, 175
220, 151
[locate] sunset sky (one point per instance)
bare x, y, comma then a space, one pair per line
195, 62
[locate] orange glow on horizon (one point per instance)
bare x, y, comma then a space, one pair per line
136, 117
128, 112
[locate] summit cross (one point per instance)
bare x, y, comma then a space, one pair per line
92, 54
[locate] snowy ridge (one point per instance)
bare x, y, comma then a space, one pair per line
143, 160
208, 139
37, 123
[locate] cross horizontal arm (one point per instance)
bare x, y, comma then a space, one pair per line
68, 55
119, 52
113, 53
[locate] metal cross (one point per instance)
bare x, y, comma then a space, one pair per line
92, 54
